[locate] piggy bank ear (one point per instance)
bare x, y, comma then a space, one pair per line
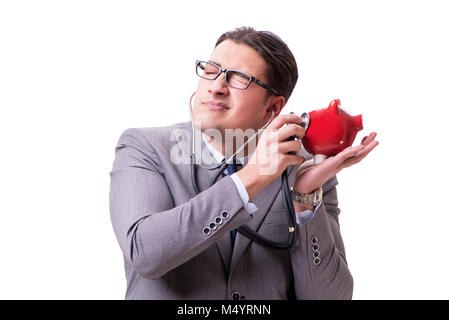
333, 106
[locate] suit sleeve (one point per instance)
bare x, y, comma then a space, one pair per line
154, 235
319, 262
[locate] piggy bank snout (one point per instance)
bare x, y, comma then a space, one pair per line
358, 123
330, 130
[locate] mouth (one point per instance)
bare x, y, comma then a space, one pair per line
215, 105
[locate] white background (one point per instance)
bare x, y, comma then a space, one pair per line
75, 74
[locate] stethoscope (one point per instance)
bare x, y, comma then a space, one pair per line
245, 230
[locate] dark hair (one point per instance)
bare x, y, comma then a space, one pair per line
282, 71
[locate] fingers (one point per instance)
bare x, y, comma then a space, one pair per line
359, 156
348, 152
282, 119
291, 130
367, 139
290, 146
367, 149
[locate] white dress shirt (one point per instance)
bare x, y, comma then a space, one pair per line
301, 217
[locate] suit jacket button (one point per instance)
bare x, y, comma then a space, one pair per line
225, 214
206, 231
218, 220
212, 226
314, 239
316, 254
235, 295
317, 261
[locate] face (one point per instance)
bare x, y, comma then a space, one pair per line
243, 109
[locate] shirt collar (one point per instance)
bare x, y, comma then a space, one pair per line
218, 156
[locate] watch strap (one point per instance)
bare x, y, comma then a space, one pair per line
313, 198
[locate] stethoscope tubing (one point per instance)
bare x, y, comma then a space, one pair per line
245, 230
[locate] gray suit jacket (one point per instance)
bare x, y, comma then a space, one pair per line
158, 220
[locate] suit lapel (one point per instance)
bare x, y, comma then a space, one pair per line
224, 245
263, 201
203, 156
204, 178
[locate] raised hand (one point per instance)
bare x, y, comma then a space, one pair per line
310, 176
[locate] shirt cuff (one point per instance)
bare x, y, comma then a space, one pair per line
307, 215
249, 206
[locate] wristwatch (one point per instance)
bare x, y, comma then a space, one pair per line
308, 198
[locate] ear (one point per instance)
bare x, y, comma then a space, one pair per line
275, 104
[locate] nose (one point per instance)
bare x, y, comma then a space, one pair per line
218, 86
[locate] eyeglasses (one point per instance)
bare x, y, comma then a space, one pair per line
233, 78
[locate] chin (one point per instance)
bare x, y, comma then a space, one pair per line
207, 120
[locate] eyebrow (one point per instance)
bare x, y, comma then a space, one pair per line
215, 63
222, 66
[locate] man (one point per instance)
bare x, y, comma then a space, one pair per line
181, 245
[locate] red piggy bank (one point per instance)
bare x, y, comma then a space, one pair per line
329, 131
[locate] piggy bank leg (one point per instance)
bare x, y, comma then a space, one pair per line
318, 158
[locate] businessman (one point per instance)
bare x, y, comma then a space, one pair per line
181, 243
